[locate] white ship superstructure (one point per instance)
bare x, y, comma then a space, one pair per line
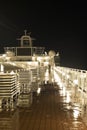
29, 65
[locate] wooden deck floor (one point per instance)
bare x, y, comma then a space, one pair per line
46, 113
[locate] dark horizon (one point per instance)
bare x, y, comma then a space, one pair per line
60, 27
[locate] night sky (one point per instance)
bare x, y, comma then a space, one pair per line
60, 26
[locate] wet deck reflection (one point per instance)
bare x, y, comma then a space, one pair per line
52, 109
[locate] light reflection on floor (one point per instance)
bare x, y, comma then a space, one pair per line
74, 103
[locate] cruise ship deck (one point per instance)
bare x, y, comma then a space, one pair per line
36, 93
